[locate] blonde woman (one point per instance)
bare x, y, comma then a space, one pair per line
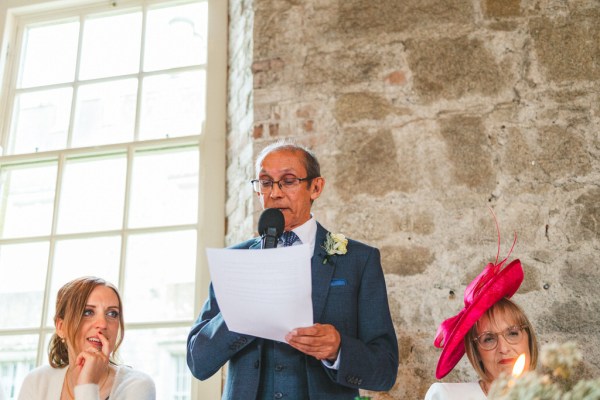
89, 330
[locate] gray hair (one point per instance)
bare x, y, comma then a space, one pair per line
311, 164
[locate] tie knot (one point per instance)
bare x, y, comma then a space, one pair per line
289, 238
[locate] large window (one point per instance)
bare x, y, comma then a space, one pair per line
112, 165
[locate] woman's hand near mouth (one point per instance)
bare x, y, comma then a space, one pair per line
91, 365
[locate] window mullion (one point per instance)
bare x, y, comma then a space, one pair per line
138, 108
51, 251
124, 231
75, 83
13, 66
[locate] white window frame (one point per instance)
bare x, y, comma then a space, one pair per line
211, 190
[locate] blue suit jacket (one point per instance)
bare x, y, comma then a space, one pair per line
349, 293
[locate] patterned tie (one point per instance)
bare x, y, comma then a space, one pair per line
289, 238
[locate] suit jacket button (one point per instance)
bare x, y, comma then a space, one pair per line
278, 395
279, 367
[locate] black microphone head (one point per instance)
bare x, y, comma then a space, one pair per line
271, 218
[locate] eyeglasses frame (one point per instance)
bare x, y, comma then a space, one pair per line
300, 180
476, 340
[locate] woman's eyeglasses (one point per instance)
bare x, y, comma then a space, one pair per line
489, 340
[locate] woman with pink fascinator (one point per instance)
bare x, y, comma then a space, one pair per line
491, 328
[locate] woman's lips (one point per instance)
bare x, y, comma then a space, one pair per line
95, 342
507, 361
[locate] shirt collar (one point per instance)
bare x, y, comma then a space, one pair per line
307, 231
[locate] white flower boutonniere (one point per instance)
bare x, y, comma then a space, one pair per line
335, 243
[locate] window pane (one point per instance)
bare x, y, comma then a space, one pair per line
161, 354
49, 54
92, 196
172, 105
41, 121
105, 113
17, 358
164, 189
80, 257
111, 46
176, 37
27, 200
22, 281
159, 278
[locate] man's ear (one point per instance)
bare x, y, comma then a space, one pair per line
317, 187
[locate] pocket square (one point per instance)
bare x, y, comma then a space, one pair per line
338, 282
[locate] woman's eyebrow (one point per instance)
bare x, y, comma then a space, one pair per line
94, 306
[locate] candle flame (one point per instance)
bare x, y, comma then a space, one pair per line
519, 366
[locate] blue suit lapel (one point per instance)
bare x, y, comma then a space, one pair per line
321, 274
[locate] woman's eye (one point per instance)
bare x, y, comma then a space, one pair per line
113, 314
488, 339
87, 313
513, 333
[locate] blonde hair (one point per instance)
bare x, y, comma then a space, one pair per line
71, 301
504, 308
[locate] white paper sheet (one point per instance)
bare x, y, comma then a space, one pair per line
264, 293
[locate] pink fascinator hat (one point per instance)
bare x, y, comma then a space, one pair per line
492, 284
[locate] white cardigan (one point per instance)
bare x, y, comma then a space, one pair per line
45, 383
455, 391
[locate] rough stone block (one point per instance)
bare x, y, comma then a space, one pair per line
562, 152
358, 16
369, 160
468, 152
502, 8
587, 219
353, 107
406, 260
568, 48
453, 68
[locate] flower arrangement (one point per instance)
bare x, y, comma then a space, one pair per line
556, 380
335, 243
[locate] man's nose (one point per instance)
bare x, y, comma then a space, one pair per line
276, 190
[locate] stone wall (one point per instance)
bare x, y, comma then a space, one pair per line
424, 113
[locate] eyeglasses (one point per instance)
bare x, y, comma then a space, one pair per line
286, 183
489, 340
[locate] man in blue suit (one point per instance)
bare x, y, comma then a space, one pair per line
352, 344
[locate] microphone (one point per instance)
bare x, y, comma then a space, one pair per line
270, 227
